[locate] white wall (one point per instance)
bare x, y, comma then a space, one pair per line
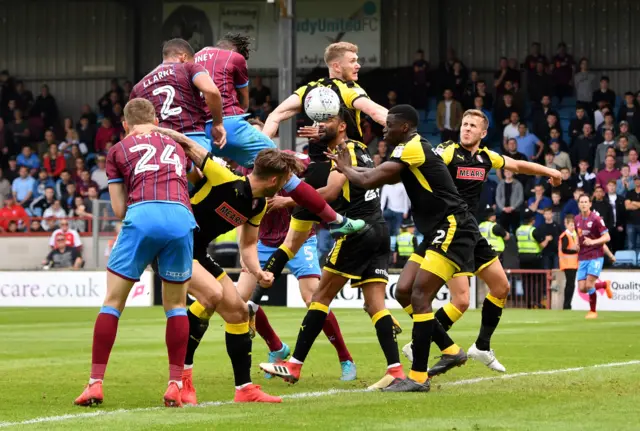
24, 253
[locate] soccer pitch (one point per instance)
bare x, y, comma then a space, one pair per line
563, 373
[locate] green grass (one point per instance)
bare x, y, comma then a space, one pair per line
45, 359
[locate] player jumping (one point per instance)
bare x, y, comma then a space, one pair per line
362, 259
469, 166
227, 65
593, 236
149, 190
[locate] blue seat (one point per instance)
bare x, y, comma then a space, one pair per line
569, 102
433, 104
431, 115
626, 258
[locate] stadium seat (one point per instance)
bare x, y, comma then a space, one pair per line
433, 104
626, 259
569, 102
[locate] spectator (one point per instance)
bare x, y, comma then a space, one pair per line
552, 123
585, 84
24, 97
618, 211
457, 80
540, 83
22, 187
611, 151
481, 90
470, 90
395, 206
629, 112
85, 182
420, 80
28, 159
487, 197
91, 201
99, 174
550, 229
46, 107
608, 173
42, 203
584, 147
69, 196
563, 68
260, 93
515, 77
601, 149
19, 131
512, 130
12, 227
535, 56
62, 256
576, 125
540, 124
556, 205
512, 151
607, 124
52, 215
5, 186
49, 140
382, 151
556, 135
104, 135
392, 99
504, 74
602, 207
503, 110
571, 207
79, 168
4, 142
71, 235
632, 205
624, 131
633, 163
548, 160
625, 182
13, 212
604, 94
377, 160
9, 112
449, 117
478, 103
80, 213
527, 143
87, 113
538, 203
560, 158
54, 162
87, 133
567, 186
42, 183
13, 171
622, 151
584, 179
36, 226
509, 200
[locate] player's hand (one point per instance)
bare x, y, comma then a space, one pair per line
314, 132
556, 179
341, 157
588, 241
612, 258
142, 129
219, 135
265, 278
276, 203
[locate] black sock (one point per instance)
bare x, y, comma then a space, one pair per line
197, 329
310, 329
277, 261
423, 325
491, 314
387, 337
440, 336
239, 350
444, 319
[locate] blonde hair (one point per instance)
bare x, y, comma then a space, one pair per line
477, 113
139, 111
337, 50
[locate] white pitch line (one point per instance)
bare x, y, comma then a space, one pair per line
314, 394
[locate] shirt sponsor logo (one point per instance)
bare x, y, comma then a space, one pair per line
474, 174
227, 212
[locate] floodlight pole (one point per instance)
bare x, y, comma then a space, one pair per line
287, 68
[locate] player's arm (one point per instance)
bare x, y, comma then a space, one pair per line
287, 109
332, 190
118, 196
377, 112
612, 258
528, 168
197, 153
243, 97
248, 243
211, 93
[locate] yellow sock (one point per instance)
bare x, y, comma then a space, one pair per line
451, 350
199, 311
409, 309
418, 376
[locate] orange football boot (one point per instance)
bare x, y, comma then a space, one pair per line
172, 397
91, 395
253, 394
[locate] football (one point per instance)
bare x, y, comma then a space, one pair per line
321, 104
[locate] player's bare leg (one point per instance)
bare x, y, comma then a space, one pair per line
104, 335
177, 336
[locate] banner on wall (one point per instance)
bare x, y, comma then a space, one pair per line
66, 289
353, 298
318, 23
626, 293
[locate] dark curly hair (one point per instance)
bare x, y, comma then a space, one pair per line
240, 43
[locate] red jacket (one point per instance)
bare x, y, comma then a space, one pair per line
14, 212
60, 163
103, 137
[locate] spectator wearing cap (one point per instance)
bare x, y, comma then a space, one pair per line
608, 173
11, 212
629, 112
634, 163
52, 215
632, 206
99, 174
604, 93
22, 187
624, 131
395, 206
62, 256
42, 203
28, 159
601, 149
54, 162
71, 235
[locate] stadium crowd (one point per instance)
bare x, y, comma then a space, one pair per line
550, 110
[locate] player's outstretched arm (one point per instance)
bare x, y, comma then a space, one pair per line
287, 109
248, 243
372, 109
386, 173
118, 197
196, 152
528, 168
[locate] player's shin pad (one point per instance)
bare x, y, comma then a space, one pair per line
239, 350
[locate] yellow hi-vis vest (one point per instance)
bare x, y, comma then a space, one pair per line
404, 243
496, 242
526, 242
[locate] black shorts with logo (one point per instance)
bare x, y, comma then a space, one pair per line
209, 263
362, 257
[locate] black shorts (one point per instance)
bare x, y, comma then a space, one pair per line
450, 249
483, 255
362, 257
209, 263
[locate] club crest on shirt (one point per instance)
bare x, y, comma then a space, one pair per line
227, 212
473, 174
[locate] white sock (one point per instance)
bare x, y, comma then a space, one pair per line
179, 382
393, 365
338, 219
253, 306
92, 381
242, 386
188, 367
295, 361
